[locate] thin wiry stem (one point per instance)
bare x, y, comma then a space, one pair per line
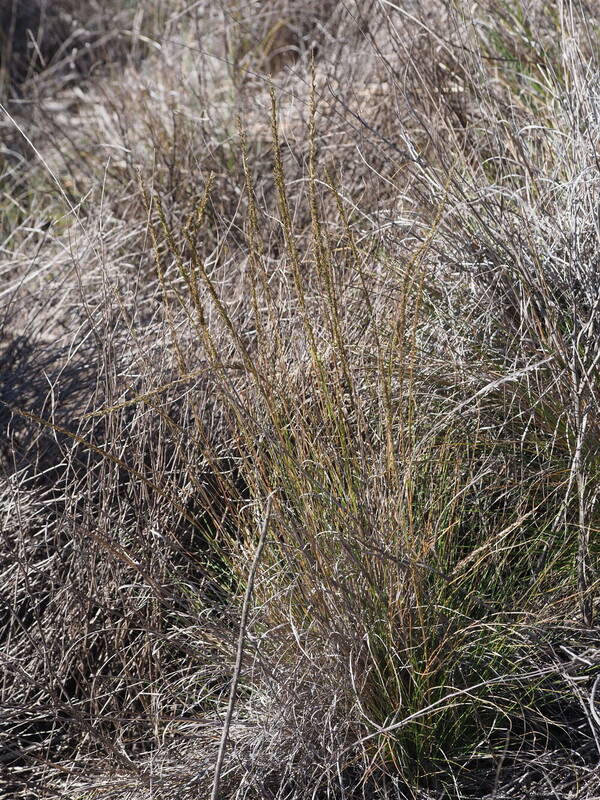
240, 651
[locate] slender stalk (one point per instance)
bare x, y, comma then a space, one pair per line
240, 652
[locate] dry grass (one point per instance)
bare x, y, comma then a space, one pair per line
346, 256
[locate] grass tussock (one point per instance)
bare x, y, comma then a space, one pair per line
298, 402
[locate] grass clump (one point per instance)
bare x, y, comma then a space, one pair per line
379, 311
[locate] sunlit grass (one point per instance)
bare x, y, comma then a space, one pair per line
379, 310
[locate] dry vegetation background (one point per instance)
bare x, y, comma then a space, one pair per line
342, 255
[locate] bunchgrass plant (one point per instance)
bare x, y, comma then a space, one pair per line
299, 408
